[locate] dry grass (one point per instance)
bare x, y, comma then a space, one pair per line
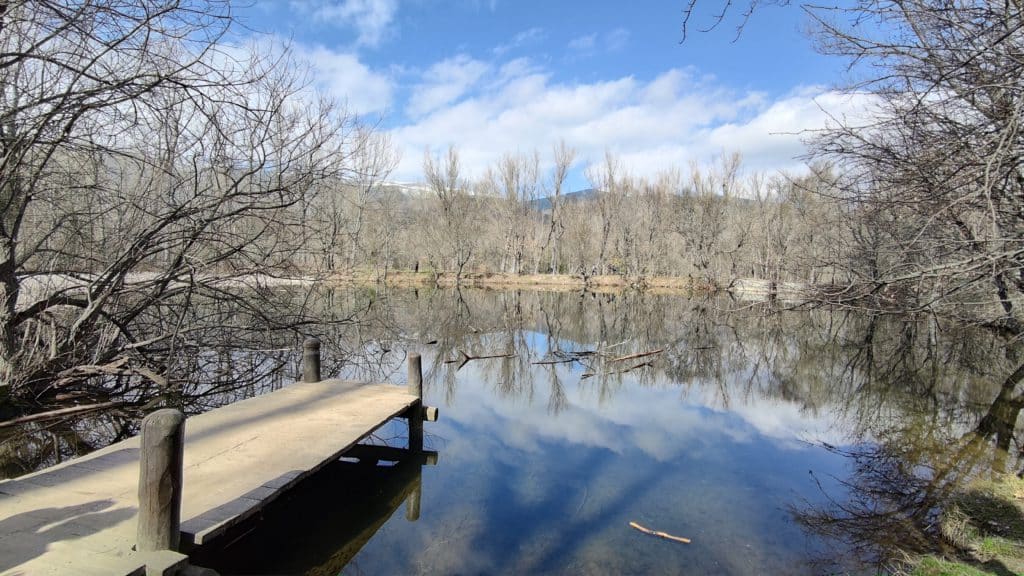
986, 523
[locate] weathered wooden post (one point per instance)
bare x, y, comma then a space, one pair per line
160, 468
416, 411
311, 360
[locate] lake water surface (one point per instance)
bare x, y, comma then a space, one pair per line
779, 443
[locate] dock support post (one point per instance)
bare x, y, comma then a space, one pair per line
311, 360
416, 413
160, 468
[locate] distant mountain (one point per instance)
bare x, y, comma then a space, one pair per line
408, 188
418, 190
544, 204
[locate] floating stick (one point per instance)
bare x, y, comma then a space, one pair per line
659, 534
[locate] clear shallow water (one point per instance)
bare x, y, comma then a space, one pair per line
779, 444
521, 490
793, 443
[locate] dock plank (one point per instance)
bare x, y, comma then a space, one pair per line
237, 458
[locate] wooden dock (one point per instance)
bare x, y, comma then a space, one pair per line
81, 517
319, 530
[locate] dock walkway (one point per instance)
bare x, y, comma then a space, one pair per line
80, 517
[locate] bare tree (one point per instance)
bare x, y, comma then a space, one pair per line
515, 180
342, 213
933, 179
142, 163
943, 153
372, 161
654, 209
564, 156
455, 237
703, 217
606, 181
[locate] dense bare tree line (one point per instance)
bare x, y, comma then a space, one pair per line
914, 205
712, 225
146, 160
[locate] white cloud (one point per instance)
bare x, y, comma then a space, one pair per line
371, 19
776, 132
662, 419
443, 83
590, 44
524, 38
653, 125
583, 43
343, 76
616, 39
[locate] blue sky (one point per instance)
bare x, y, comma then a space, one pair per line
499, 76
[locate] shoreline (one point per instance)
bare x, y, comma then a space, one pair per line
540, 282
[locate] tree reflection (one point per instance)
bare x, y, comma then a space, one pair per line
909, 467
920, 406
228, 353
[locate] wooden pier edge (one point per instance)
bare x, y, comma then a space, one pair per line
183, 483
195, 533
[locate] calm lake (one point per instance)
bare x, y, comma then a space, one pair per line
779, 442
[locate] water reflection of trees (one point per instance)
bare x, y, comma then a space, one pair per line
923, 405
227, 353
912, 463
813, 358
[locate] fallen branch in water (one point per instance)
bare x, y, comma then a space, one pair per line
630, 369
664, 535
484, 357
59, 413
466, 358
564, 361
637, 355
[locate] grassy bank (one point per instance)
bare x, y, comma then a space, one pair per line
548, 282
985, 523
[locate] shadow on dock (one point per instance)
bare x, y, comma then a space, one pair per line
29, 535
318, 526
